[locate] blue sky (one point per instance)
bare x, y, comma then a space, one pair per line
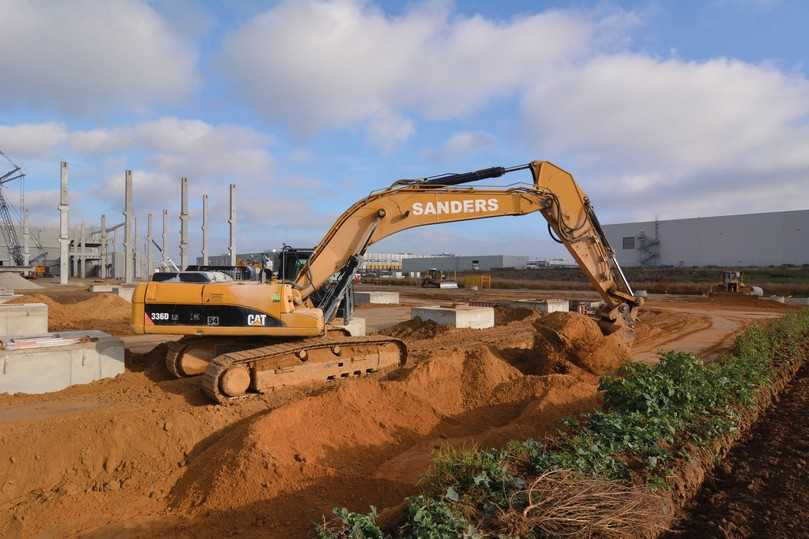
660, 109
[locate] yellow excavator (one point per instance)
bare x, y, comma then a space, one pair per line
250, 337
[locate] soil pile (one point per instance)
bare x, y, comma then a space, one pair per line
415, 329
105, 312
385, 430
572, 338
506, 315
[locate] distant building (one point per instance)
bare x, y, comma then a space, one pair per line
755, 239
464, 263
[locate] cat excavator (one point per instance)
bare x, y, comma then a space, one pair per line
248, 337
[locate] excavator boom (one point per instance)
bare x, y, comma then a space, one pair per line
414, 203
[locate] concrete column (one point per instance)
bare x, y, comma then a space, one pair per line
135, 260
82, 255
232, 224
183, 223
204, 229
74, 258
102, 250
164, 263
26, 234
64, 223
129, 236
115, 269
148, 250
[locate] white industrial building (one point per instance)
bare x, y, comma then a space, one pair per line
755, 239
464, 263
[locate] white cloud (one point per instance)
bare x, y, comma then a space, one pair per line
460, 144
315, 64
678, 138
185, 147
82, 56
31, 140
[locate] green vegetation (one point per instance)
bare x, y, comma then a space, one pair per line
606, 461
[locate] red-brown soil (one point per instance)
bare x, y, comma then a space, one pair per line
75, 310
143, 455
762, 488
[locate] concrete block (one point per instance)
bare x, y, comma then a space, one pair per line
779, 299
126, 292
23, 319
355, 328
798, 301
104, 288
384, 298
544, 305
87, 356
460, 316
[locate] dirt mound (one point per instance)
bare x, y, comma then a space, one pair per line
577, 339
506, 315
415, 329
385, 429
105, 312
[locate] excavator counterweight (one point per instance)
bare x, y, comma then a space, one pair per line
250, 337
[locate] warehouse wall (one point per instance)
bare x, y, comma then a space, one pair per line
464, 263
758, 239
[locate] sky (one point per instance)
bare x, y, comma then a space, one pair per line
660, 109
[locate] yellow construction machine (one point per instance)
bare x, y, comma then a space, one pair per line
250, 337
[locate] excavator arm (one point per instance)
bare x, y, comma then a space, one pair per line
413, 203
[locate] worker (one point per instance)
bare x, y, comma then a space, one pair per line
266, 275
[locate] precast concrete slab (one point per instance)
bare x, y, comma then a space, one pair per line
460, 316
544, 305
798, 301
382, 298
104, 288
23, 319
126, 292
54, 361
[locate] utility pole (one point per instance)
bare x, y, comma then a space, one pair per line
183, 223
204, 229
64, 222
129, 268
232, 224
164, 263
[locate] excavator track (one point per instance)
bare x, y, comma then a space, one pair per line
190, 355
234, 375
